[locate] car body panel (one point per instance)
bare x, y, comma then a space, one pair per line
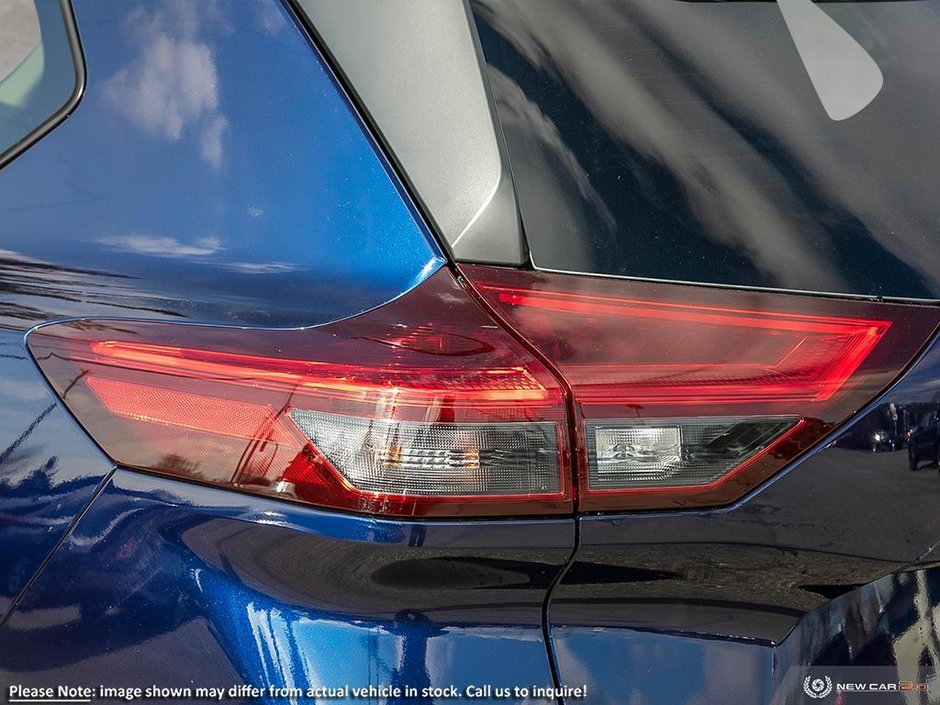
198, 180
810, 566
888, 627
264, 592
684, 141
49, 469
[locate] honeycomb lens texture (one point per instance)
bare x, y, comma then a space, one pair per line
437, 459
635, 453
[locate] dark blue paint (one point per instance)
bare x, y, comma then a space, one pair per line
49, 469
160, 574
213, 171
889, 624
800, 564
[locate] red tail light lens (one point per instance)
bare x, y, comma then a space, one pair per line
688, 396
422, 407
430, 406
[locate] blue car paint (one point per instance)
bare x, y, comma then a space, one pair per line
889, 624
168, 582
650, 667
214, 171
49, 469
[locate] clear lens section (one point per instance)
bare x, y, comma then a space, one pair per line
647, 453
436, 459
636, 349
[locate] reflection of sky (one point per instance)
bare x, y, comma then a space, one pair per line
213, 157
620, 666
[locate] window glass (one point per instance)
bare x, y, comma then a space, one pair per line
37, 69
788, 144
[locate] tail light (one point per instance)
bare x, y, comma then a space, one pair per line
449, 402
422, 407
689, 396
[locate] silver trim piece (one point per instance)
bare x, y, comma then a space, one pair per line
415, 67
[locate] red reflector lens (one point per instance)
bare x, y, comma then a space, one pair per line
422, 407
711, 353
165, 407
691, 396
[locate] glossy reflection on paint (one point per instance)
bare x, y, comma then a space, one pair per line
891, 624
48, 469
213, 171
240, 589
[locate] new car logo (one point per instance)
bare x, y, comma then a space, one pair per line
817, 687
